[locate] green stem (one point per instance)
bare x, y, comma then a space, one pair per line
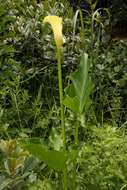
82, 28
123, 187
76, 133
61, 97
74, 162
62, 113
16, 104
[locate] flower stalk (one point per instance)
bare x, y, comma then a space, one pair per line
56, 24
59, 60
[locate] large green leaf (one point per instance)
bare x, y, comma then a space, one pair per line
54, 159
77, 94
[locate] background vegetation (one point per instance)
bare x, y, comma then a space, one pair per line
29, 96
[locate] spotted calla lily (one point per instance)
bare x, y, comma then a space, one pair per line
56, 24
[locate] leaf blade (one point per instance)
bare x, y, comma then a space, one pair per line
54, 159
77, 94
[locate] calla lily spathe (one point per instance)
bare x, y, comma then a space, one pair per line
56, 24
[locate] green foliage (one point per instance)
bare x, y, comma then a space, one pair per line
77, 94
54, 159
15, 165
40, 185
29, 101
103, 159
109, 76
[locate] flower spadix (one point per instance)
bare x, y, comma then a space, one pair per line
56, 24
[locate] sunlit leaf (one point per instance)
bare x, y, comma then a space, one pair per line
54, 159
77, 94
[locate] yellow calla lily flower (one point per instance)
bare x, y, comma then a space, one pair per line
56, 24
